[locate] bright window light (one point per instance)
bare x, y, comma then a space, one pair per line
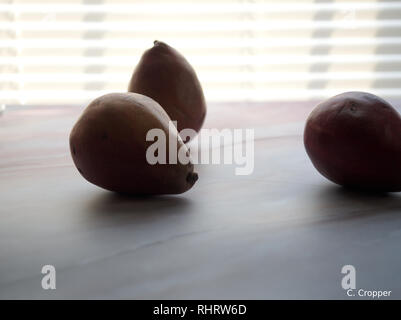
73, 51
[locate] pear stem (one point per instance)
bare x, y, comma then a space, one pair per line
192, 177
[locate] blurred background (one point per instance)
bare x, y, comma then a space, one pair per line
69, 52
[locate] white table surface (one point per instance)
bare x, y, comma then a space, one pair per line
282, 232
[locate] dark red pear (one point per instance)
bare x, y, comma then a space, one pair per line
354, 139
164, 75
109, 146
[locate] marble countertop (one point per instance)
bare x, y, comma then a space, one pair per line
282, 232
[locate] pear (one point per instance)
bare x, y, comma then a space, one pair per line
109, 147
354, 139
164, 75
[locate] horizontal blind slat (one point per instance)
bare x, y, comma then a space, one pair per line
174, 8
241, 50
189, 26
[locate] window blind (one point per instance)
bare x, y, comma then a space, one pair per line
71, 52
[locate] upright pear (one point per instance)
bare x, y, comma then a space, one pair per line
109, 146
164, 75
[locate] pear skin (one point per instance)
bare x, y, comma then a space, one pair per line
108, 146
164, 75
354, 139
